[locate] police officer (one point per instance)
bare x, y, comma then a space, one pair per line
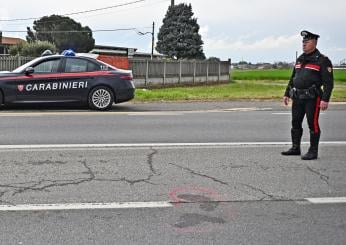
310, 88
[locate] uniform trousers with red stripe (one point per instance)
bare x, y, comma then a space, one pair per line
310, 108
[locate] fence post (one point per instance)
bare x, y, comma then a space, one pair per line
207, 72
19, 62
179, 71
146, 74
194, 71
164, 72
230, 69
219, 74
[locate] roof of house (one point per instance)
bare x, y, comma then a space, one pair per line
115, 50
11, 40
143, 54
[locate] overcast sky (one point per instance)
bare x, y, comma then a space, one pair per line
250, 30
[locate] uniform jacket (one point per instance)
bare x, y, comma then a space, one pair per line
310, 69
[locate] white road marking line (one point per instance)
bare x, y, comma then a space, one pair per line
327, 200
288, 113
337, 103
135, 113
281, 113
45, 146
155, 114
241, 109
83, 206
21, 115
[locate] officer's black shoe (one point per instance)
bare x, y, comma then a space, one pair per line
310, 155
293, 151
296, 135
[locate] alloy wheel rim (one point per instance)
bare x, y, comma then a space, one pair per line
101, 98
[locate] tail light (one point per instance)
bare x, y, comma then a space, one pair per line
127, 77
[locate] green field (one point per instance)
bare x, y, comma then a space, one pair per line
279, 74
261, 74
239, 90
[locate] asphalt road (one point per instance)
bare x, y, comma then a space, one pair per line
213, 122
227, 193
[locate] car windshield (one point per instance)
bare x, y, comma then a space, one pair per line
30, 63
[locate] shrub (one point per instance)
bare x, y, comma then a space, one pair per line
32, 49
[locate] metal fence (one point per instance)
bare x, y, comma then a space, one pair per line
9, 63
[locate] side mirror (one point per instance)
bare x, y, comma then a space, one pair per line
29, 70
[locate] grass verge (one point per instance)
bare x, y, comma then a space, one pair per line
238, 90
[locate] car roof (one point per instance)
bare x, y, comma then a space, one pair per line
64, 56
48, 57
79, 56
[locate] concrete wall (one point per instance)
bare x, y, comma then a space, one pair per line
170, 81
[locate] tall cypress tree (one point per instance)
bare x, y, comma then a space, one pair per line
178, 36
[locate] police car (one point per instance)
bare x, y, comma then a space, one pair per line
67, 78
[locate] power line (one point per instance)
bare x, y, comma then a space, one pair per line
73, 31
126, 10
81, 12
92, 15
99, 9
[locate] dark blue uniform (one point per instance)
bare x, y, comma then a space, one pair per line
311, 81
312, 71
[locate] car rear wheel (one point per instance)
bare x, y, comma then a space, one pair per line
101, 98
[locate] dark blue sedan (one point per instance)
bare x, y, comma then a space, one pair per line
67, 79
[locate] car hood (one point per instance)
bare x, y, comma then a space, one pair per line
8, 74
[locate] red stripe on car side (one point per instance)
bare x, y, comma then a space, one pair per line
61, 75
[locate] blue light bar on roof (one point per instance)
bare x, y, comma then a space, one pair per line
68, 52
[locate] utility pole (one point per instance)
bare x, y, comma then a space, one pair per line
172, 2
153, 40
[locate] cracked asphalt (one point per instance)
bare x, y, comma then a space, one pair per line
235, 194
239, 173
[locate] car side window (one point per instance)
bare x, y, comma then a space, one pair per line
80, 65
49, 66
93, 67
76, 65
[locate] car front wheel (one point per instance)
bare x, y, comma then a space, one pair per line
101, 98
